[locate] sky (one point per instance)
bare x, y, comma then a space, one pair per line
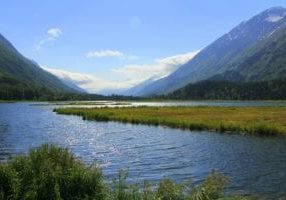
120, 43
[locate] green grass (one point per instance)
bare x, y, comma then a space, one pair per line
4, 101
250, 120
50, 172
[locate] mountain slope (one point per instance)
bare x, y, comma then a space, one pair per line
16, 68
71, 79
264, 61
138, 88
225, 54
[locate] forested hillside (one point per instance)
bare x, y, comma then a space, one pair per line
21, 78
227, 90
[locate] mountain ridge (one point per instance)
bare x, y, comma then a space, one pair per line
19, 74
213, 59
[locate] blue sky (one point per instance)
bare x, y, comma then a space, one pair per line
104, 38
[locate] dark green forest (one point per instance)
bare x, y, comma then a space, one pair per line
227, 90
11, 89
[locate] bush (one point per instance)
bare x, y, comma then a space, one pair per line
8, 183
50, 172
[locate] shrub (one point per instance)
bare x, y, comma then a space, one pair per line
8, 182
50, 172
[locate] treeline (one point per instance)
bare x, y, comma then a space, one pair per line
227, 90
11, 89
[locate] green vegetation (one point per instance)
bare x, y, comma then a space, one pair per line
227, 90
2, 101
251, 120
50, 172
262, 61
12, 89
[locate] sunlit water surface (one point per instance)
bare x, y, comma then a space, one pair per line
255, 165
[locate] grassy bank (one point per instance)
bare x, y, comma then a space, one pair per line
50, 172
3, 101
251, 120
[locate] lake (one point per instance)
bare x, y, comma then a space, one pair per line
255, 165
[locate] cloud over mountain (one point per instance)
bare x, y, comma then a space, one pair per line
130, 75
159, 68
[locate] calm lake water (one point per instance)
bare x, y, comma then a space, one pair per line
255, 165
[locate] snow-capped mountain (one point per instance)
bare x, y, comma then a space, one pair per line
216, 58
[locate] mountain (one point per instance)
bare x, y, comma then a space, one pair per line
246, 53
259, 73
134, 91
264, 61
73, 80
21, 75
70, 83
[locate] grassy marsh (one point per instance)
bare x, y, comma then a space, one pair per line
250, 120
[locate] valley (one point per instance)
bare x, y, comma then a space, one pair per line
143, 105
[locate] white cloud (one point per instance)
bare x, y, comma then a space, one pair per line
160, 68
104, 53
90, 83
55, 32
129, 75
51, 36
109, 54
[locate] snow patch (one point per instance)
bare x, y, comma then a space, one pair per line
275, 18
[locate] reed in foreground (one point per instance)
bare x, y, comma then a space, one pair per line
50, 172
251, 120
